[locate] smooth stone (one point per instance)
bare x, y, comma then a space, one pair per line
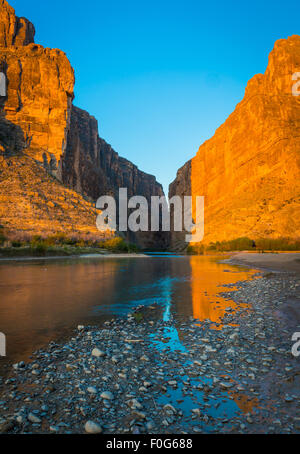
226, 385
98, 353
92, 390
34, 419
170, 408
92, 427
107, 395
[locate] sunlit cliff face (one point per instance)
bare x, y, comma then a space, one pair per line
32, 201
39, 88
249, 172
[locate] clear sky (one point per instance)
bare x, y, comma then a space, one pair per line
161, 76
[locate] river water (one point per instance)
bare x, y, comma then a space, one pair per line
45, 300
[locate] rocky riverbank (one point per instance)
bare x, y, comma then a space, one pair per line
151, 373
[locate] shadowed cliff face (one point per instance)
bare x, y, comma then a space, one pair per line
249, 172
91, 167
63, 139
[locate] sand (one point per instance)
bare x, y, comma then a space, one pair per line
283, 261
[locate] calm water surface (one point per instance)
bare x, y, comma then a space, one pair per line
45, 300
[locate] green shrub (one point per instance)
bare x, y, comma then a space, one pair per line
241, 244
118, 244
277, 244
39, 248
238, 244
262, 244
2, 239
133, 248
195, 249
36, 239
138, 316
16, 244
80, 243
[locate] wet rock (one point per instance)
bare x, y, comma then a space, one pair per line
226, 385
92, 427
170, 409
107, 395
92, 390
98, 353
34, 419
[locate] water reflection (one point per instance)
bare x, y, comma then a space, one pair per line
244, 402
40, 302
169, 339
45, 300
209, 278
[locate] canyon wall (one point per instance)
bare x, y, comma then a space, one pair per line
38, 119
90, 166
249, 171
14, 31
40, 84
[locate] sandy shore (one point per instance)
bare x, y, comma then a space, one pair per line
271, 261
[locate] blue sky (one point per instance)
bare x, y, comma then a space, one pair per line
161, 76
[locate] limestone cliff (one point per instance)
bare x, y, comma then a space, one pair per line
38, 121
40, 85
249, 171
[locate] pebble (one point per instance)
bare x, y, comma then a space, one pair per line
34, 419
98, 353
107, 395
92, 427
92, 390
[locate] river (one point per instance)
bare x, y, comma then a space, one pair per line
45, 300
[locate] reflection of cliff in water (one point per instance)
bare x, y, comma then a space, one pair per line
39, 300
46, 300
244, 402
208, 279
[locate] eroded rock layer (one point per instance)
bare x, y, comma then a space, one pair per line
249, 171
33, 202
39, 98
14, 31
